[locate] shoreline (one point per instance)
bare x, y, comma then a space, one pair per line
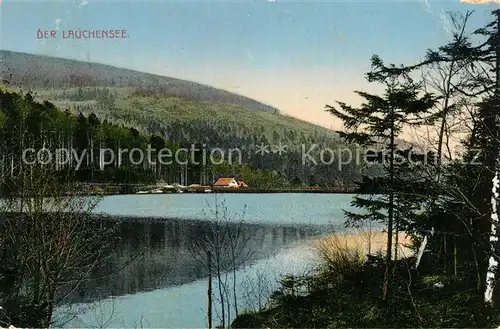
143, 189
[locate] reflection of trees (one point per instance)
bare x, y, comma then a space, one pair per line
220, 246
154, 253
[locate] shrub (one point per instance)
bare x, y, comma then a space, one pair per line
340, 254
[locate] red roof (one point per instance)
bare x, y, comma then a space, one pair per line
223, 181
242, 183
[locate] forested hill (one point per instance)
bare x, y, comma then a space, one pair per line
183, 112
38, 71
41, 125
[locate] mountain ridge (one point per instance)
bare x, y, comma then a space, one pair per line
42, 71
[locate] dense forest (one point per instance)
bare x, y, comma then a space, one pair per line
92, 146
91, 120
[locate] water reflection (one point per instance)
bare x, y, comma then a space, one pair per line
157, 253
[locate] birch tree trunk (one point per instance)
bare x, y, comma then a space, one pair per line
491, 274
492, 262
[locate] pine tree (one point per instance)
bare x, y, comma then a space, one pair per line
378, 122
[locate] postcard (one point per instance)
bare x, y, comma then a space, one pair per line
249, 164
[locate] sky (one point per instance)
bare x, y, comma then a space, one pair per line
297, 56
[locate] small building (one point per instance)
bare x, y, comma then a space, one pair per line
226, 182
241, 183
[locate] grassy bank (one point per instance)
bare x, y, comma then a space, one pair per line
358, 244
346, 289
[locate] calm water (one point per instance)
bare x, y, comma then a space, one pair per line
272, 208
155, 279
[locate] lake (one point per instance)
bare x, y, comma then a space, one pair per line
269, 208
156, 277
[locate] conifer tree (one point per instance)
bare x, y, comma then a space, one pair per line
378, 122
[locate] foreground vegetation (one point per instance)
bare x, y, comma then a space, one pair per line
345, 289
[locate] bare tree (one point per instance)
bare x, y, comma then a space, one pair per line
447, 78
256, 290
50, 243
221, 247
